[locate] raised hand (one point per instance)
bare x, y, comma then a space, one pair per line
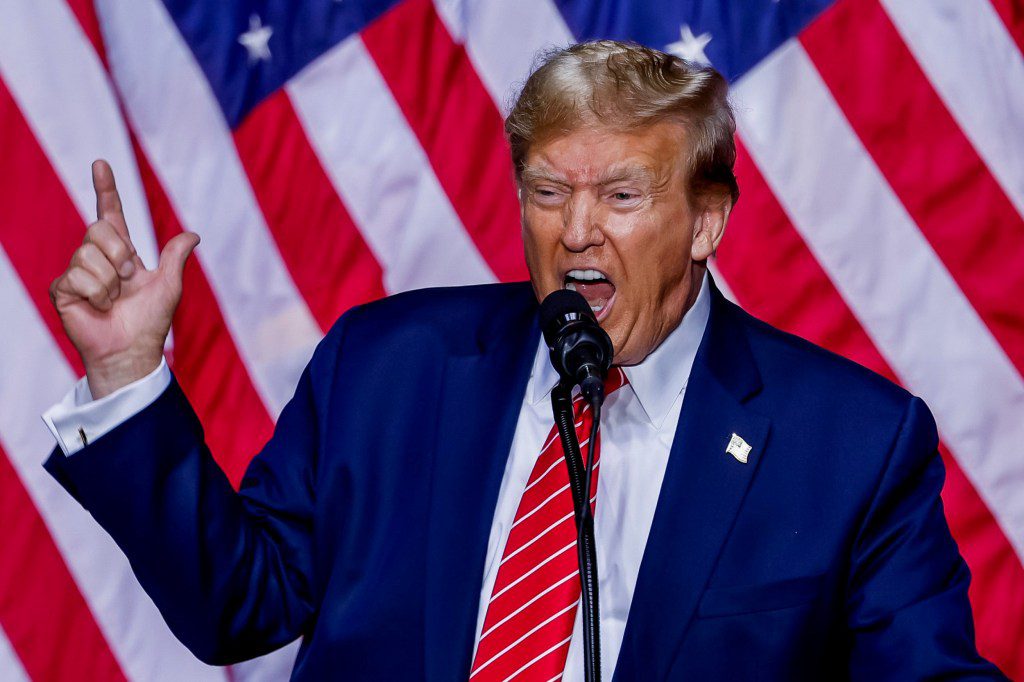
115, 311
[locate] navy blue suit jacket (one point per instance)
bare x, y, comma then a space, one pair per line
362, 525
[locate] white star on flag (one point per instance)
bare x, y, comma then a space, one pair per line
690, 47
256, 40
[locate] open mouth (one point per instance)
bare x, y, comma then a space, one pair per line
594, 286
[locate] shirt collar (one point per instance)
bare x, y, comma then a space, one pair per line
663, 374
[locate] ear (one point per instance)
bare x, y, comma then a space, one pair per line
709, 225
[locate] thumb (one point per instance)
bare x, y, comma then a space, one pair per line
175, 254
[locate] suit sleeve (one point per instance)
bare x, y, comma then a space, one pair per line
909, 614
230, 572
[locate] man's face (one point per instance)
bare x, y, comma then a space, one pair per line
609, 214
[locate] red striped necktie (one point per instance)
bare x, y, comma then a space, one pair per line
532, 609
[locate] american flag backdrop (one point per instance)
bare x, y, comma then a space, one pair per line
330, 152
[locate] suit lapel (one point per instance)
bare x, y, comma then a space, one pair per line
700, 496
480, 405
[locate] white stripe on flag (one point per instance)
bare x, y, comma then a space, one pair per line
11, 669
63, 91
502, 39
975, 66
35, 375
888, 274
723, 286
379, 169
185, 136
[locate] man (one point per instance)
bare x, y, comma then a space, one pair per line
764, 509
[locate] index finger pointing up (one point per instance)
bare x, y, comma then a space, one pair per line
108, 201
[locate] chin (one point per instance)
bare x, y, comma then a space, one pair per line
618, 342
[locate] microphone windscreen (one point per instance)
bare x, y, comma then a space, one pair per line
574, 337
562, 304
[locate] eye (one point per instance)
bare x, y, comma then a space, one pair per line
625, 198
546, 195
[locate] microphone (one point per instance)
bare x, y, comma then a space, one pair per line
581, 351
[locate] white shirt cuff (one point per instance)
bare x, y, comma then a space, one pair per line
78, 420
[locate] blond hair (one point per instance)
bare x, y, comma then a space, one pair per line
628, 86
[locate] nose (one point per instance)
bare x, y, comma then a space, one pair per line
581, 223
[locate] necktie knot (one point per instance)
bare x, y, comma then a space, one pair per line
615, 380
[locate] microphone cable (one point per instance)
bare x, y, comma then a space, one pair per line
580, 475
587, 536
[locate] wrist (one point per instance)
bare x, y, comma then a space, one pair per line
115, 371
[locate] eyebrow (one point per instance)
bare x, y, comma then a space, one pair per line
534, 174
614, 174
619, 174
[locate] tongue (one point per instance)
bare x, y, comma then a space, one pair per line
596, 292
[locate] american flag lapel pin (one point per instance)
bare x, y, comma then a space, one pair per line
738, 448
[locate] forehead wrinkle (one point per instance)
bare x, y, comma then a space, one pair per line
617, 173
627, 172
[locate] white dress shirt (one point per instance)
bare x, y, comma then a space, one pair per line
638, 424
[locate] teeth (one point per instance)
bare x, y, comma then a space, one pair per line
586, 275
597, 308
571, 286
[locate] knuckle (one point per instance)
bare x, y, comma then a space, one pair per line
88, 286
95, 229
81, 283
78, 257
118, 251
97, 295
97, 255
84, 255
112, 246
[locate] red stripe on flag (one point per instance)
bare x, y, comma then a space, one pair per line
323, 250
1012, 14
41, 227
932, 166
778, 279
457, 124
205, 360
997, 579
42, 611
775, 276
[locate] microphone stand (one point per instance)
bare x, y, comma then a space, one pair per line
586, 550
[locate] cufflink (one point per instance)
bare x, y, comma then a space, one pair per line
738, 448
